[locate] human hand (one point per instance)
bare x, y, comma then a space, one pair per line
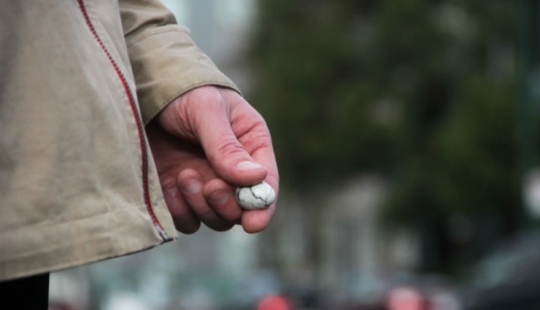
205, 143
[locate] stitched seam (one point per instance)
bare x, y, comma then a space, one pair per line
138, 121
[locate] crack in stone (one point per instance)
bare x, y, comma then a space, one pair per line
255, 197
264, 201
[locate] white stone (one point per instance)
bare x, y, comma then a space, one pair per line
255, 197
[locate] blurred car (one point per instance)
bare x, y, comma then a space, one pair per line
399, 291
425, 293
509, 278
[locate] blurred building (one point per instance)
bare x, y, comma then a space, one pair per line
220, 29
334, 245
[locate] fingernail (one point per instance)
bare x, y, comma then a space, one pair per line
218, 197
191, 186
248, 165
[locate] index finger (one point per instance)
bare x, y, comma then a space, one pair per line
259, 145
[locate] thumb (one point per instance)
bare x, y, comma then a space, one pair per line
226, 154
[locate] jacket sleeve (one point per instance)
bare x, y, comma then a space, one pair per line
165, 61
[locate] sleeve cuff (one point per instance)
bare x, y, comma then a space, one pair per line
166, 63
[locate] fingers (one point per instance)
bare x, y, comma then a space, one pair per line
225, 205
257, 220
211, 203
184, 219
214, 204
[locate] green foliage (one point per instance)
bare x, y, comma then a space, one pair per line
467, 164
422, 91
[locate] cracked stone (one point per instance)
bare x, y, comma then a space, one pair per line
255, 197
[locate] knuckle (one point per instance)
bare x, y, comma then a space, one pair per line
230, 148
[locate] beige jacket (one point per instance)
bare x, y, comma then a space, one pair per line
78, 81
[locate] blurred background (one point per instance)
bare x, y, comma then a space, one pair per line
407, 134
